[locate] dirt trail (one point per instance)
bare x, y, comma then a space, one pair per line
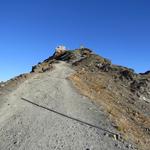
25, 126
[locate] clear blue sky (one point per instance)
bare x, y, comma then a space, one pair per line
31, 29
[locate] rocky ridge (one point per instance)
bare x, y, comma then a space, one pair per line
124, 94
85, 58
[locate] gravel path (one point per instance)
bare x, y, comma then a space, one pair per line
25, 126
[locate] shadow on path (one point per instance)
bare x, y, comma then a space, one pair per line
69, 117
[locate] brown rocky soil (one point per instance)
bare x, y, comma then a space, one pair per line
119, 91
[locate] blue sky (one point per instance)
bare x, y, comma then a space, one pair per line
31, 29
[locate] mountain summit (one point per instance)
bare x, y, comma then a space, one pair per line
74, 100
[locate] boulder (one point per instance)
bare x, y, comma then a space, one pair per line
59, 50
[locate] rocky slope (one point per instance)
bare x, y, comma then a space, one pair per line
117, 99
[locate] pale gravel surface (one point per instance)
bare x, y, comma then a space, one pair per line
24, 126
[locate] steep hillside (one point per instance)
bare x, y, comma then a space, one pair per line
124, 94
115, 98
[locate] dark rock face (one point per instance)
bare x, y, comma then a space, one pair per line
127, 74
139, 84
141, 87
40, 68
